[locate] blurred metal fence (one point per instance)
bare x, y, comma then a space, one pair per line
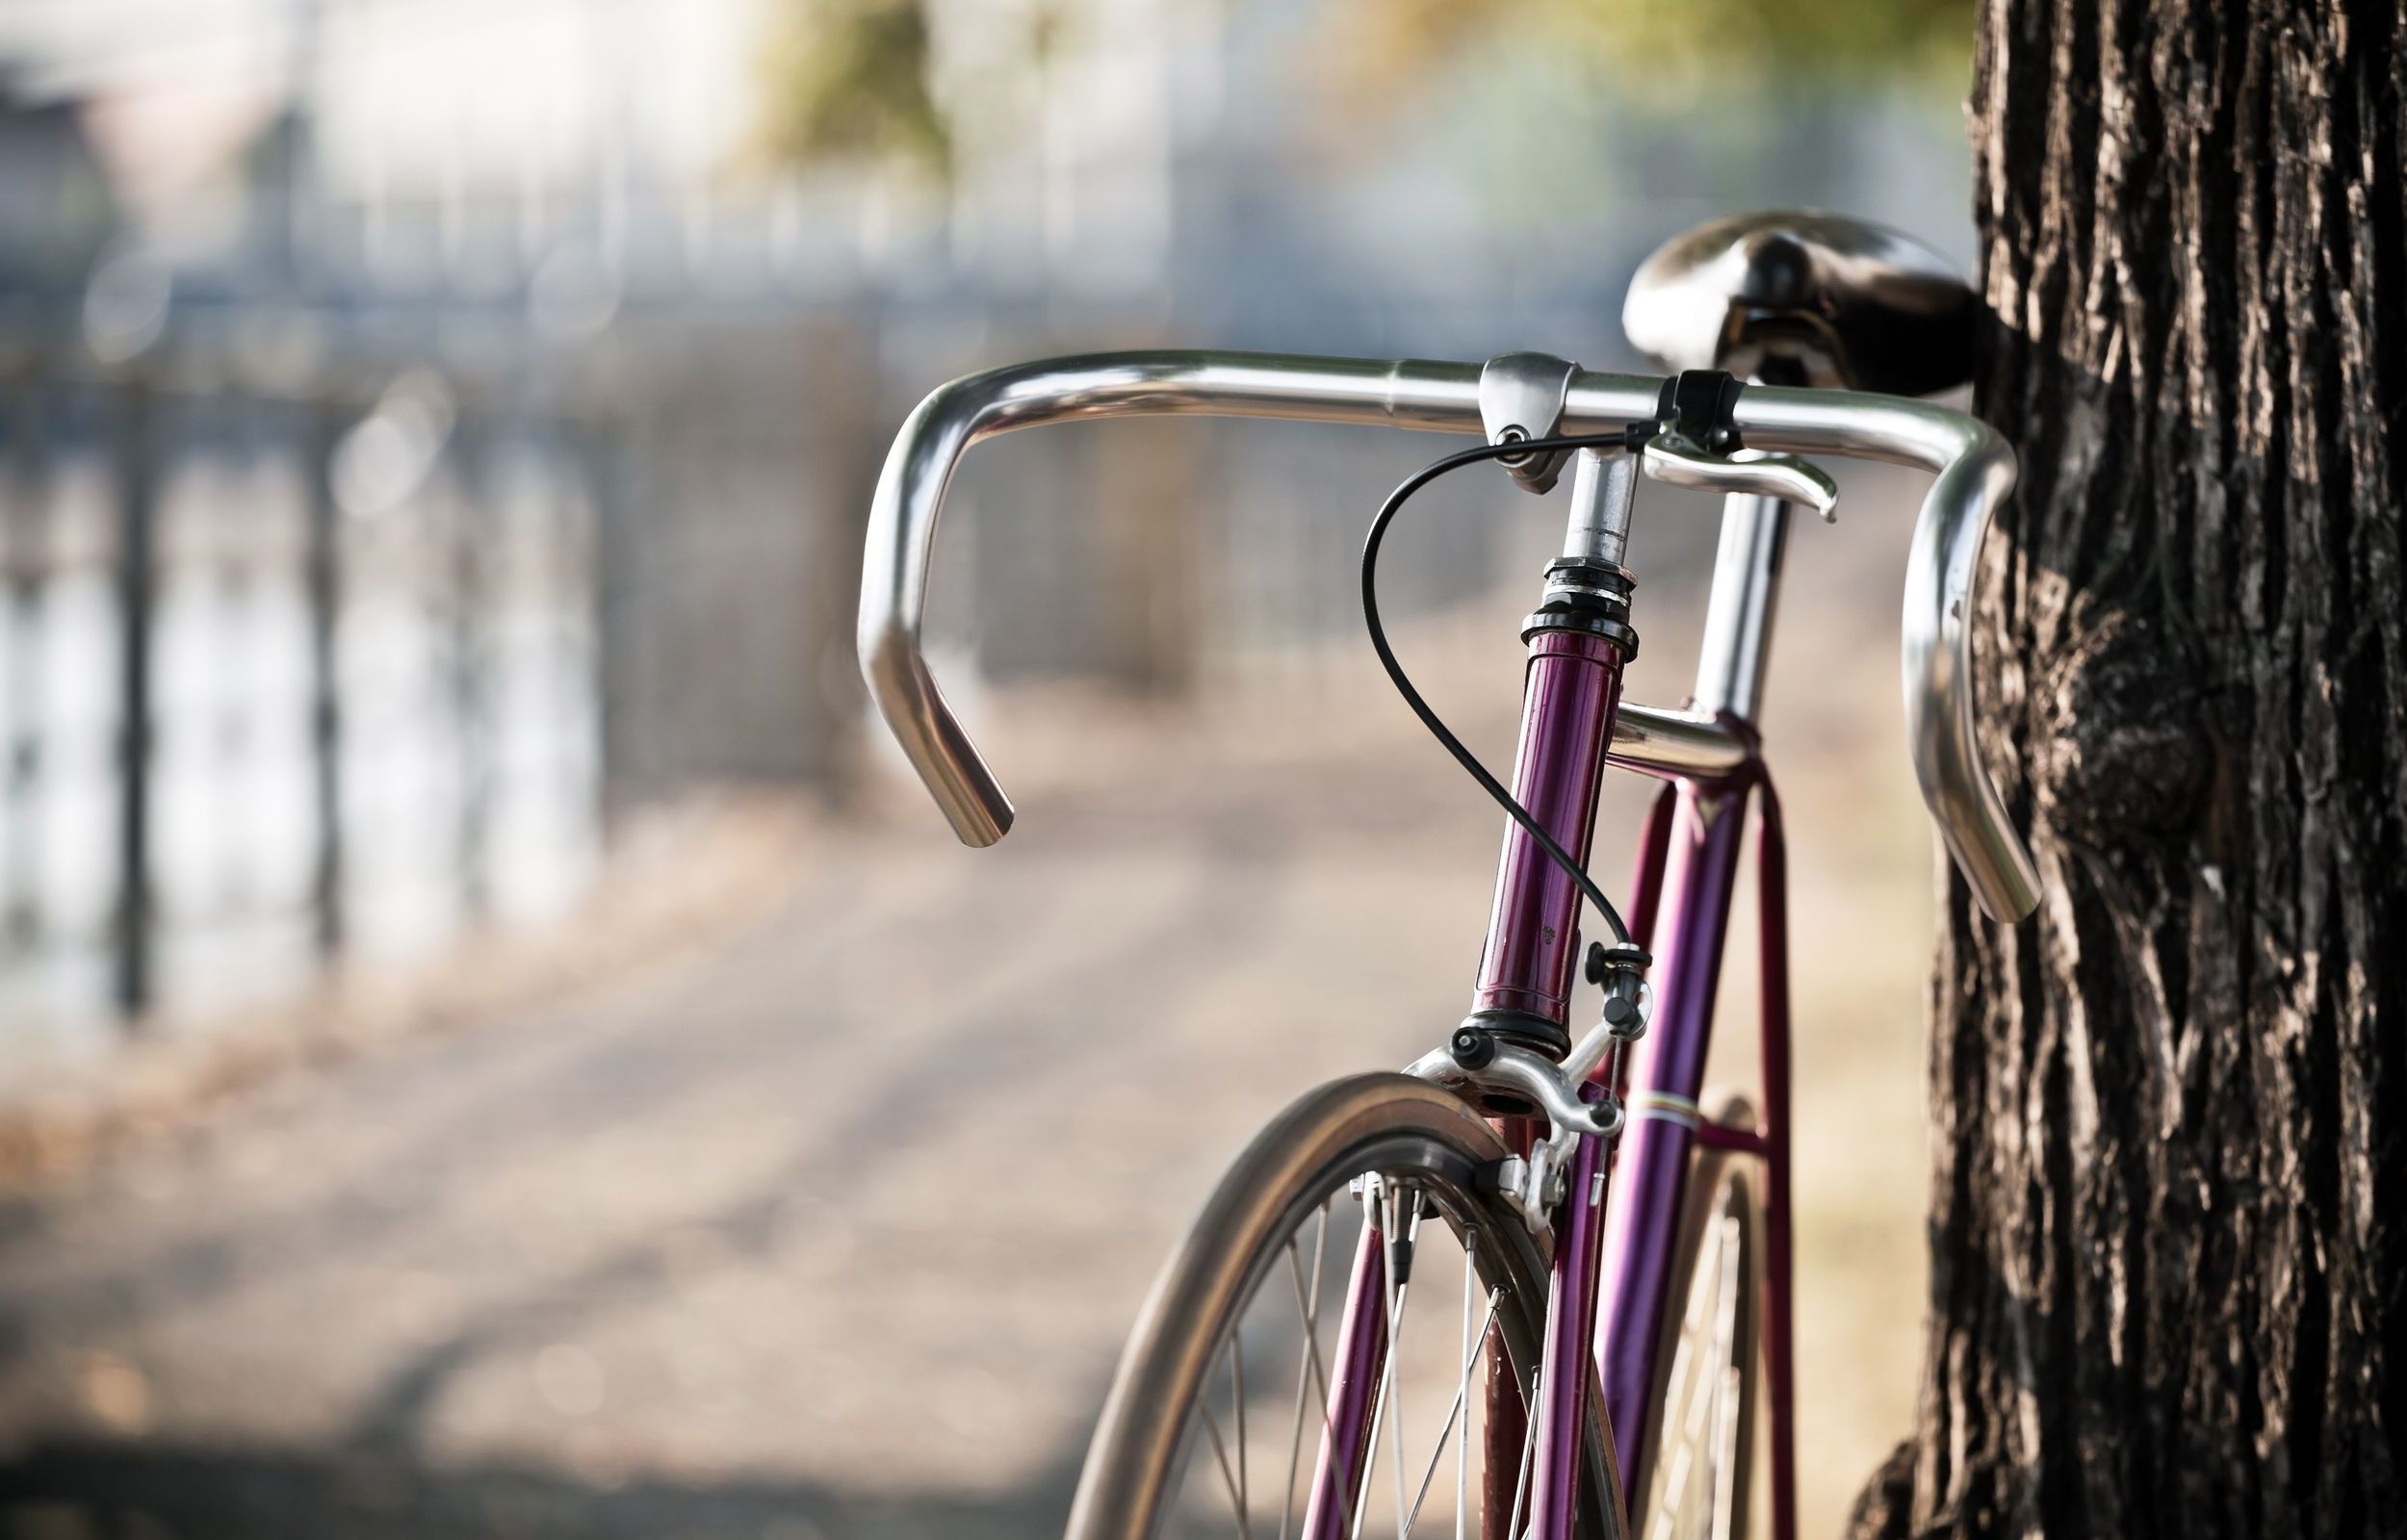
339, 666
286, 674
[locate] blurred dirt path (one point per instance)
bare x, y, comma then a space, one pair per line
835, 1231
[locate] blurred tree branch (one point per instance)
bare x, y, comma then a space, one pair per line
849, 80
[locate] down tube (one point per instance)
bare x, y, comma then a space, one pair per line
1652, 1169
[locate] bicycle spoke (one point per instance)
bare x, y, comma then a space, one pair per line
1370, 1442
1307, 1299
1698, 1485
1303, 1390
1370, 1463
1400, 1239
1725, 1456
1220, 1451
1529, 1447
1348, 1239
1380, 1221
1356, 1391
1723, 1469
1309, 1372
1236, 1394
1699, 1472
1461, 1391
1461, 1395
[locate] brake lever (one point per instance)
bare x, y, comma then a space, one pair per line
1676, 459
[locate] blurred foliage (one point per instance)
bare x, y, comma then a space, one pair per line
856, 80
1674, 46
851, 80
872, 81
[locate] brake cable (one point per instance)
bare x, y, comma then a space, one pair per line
1421, 708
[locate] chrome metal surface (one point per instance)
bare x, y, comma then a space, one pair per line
1535, 1186
1689, 744
1679, 462
1849, 303
1164, 1457
1520, 396
1603, 486
1975, 471
1741, 607
1532, 1076
910, 495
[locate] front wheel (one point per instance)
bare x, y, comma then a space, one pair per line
1253, 1401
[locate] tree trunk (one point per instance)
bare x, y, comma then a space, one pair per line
2169, 1203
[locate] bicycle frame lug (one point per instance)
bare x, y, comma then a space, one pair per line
1521, 395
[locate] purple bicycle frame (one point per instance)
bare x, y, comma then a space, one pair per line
1694, 868
1612, 1261
1608, 1312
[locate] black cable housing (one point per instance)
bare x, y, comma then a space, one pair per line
1421, 708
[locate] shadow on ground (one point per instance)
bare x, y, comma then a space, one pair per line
152, 1490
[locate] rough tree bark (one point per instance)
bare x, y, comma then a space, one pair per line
2169, 1207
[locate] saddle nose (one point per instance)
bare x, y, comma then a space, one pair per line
1804, 299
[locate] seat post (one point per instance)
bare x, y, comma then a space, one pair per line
1740, 607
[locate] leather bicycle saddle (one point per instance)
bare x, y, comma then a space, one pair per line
1804, 299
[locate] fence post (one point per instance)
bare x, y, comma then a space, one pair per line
137, 582
471, 693
321, 582
28, 570
610, 473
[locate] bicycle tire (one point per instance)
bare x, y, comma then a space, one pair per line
1717, 1279
1299, 1161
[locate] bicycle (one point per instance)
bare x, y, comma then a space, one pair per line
1641, 1337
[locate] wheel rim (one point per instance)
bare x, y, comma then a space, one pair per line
1422, 1468
1146, 1441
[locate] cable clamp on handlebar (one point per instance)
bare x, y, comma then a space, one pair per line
1699, 407
1521, 397
1693, 442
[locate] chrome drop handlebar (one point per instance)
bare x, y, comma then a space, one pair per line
1975, 471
